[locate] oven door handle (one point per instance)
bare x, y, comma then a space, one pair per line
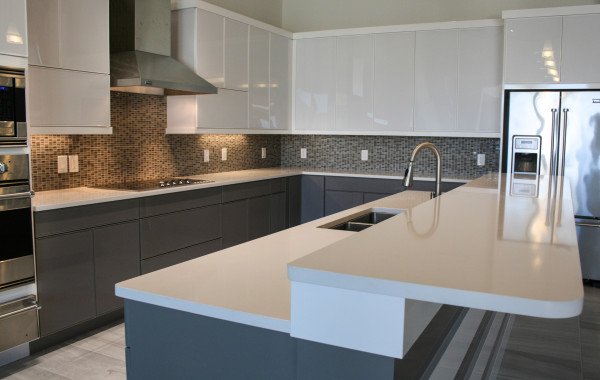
26, 194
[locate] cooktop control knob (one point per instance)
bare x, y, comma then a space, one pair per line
3, 167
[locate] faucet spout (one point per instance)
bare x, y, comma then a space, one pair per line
408, 175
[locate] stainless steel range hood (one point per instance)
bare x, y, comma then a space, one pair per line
140, 47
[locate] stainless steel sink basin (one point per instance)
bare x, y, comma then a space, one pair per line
362, 220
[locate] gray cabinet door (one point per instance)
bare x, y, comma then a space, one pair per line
170, 232
235, 223
116, 258
278, 212
313, 197
65, 280
179, 256
259, 223
336, 201
294, 196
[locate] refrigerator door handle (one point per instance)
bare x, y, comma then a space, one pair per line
564, 141
587, 224
553, 157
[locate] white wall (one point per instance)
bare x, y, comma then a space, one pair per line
269, 11
309, 15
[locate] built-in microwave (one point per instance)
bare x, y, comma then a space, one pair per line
13, 126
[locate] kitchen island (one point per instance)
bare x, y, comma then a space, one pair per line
230, 314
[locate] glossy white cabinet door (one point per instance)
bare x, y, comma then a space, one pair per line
43, 32
354, 87
393, 98
209, 47
480, 80
258, 79
436, 80
581, 49
315, 84
236, 55
532, 52
84, 35
226, 110
280, 74
13, 33
68, 98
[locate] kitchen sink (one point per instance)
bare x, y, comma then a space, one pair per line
362, 220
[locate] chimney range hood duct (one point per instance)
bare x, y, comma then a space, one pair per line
140, 49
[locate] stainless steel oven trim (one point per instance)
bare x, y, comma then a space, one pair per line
17, 269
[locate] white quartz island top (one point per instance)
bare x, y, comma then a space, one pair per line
486, 245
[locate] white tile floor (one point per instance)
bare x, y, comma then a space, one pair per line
97, 355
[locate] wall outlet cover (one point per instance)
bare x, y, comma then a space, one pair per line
481, 159
73, 163
364, 155
302, 152
223, 154
63, 164
263, 152
206, 155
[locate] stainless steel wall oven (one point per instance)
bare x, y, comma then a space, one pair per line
13, 127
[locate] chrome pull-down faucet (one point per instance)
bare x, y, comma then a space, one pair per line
408, 174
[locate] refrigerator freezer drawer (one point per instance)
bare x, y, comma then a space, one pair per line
588, 236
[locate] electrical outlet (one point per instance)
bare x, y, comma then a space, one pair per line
302, 152
206, 155
263, 152
481, 159
63, 164
364, 155
223, 154
73, 163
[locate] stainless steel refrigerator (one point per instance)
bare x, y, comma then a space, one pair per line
558, 132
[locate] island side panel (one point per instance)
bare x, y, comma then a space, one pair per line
167, 343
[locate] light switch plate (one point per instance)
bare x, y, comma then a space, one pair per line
302, 152
73, 163
481, 159
364, 155
206, 155
63, 164
223, 154
263, 152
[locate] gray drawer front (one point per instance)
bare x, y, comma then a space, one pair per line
246, 190
78, 218
278, 185
179, 256
183, 200
170, 232
430, 186
368, 185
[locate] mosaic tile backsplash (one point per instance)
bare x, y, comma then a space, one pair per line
390, 154
139, 149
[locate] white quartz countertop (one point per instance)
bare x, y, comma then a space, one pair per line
81, 196
486, 245
247, 283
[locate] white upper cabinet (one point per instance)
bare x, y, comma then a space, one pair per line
552, 46
13, 40
581, 49
279, 80
394, 82
236, 55
315, 84
436, 81
69, 34
480, 80
258, 78
532, 50
354, 83
209, 47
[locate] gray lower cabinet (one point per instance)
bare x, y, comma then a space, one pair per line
259, 217
278, 212
235, 223
312, 197
336, 201
294, 195
180, 255
65, 280
116, 259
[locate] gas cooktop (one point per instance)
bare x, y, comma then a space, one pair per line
152, 184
